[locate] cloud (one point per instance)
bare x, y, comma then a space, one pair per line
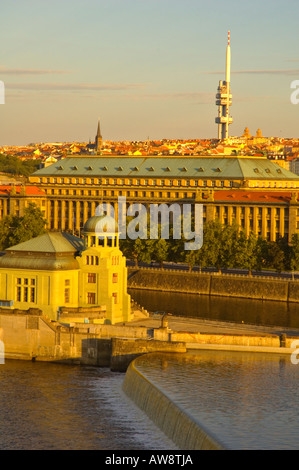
204, 98
259, 72
4, 71
73, 86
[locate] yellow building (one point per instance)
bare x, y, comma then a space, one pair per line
69, 279
256, 192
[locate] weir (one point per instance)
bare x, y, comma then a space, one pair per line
178, 425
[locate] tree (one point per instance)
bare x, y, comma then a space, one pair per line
159, 250
246, 252
295, 252
14, 229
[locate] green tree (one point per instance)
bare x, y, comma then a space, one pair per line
14, 230
295, 252
158, 250
246, 252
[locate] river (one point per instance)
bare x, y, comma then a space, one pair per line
230, 309
247, 401
47, 406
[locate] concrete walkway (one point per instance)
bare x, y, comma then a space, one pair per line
197, 325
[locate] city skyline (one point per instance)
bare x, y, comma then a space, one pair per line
147, 69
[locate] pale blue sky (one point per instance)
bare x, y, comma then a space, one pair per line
147, 68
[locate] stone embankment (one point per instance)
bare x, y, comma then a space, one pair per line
225, 285
28, 335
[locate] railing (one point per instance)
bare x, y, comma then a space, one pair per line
214, 273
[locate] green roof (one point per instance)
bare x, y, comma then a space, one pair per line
50, 242
167, 167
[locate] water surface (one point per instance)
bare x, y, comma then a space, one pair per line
231, 309
50, 406
246, 400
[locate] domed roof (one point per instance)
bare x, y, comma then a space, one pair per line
101, 225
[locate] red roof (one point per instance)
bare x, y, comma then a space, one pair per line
29, 190
253, 196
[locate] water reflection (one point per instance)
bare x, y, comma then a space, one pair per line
247, 400
49, 406
220, 308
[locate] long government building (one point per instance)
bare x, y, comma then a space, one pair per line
258, 194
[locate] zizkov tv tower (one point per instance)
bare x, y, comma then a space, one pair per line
224, 98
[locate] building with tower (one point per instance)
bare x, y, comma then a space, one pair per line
68, 278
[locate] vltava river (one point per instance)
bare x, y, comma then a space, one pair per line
256, 312
245, 400
50, 406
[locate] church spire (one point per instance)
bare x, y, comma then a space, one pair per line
98, 140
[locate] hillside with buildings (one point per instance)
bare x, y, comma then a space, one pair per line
284, 151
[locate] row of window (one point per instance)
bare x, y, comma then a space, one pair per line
26, 289
163, 182
259, 211
82, 192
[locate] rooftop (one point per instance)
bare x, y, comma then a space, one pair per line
28, 190
252, 196
168, 167
50, 242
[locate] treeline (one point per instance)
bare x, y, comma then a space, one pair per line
15, 166
223, 247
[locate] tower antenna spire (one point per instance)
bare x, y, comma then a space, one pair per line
224, 97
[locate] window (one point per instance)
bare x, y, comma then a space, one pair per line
91, 298
19, 294
114, 295
67, 295
25, 291
91, 277
115, 277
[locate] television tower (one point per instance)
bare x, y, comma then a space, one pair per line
224, 98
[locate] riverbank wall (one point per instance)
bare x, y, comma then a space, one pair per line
29, 335
225, 285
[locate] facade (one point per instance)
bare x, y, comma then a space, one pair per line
15, 198
68, 278
259, 194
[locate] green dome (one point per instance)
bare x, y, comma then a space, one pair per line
100, 225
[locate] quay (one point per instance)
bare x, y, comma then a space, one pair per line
214, 284
29, 335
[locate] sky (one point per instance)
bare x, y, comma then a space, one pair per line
145, 68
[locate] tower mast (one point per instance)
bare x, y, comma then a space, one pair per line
224, 98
